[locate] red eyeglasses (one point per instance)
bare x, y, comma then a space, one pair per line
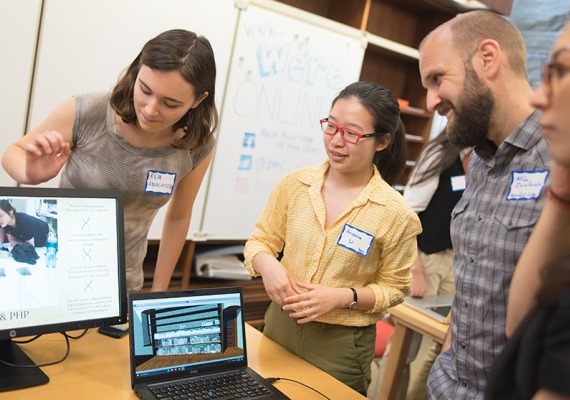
349, 135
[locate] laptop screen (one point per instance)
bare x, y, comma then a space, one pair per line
186, 333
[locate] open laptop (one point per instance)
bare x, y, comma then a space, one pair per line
181, 337
436, 307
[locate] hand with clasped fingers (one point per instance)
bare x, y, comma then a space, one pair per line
276, 279
314, 302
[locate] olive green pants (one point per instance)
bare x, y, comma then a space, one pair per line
345, 352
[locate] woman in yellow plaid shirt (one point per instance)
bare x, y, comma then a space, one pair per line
347, 239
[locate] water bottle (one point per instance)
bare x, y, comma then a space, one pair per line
51, 250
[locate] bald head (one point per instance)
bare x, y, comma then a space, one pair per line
471, 28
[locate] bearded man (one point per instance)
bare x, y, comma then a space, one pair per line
474, 70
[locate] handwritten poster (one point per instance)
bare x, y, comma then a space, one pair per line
284, 74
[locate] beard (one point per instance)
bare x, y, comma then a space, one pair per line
472, 114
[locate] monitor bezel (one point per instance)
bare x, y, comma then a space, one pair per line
79, 324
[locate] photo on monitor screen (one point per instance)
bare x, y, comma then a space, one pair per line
61, 262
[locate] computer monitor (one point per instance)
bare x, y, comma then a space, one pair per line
61, 269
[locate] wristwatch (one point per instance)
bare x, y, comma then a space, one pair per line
354, 301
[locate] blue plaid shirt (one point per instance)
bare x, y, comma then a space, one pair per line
489, 233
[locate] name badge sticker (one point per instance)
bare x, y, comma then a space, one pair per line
160, 182
527, 185
355, 240
458, 183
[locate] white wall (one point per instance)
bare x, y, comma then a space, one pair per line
85, 45
19, 22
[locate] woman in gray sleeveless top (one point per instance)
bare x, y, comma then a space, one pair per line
150, 138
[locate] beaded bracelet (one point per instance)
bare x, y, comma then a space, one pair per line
556, 200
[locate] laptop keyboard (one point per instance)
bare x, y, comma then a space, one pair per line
238, 385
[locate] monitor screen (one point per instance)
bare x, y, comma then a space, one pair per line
61, 265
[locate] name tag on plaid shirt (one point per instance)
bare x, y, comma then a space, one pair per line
526, 185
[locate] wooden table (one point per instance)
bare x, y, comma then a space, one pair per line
408, 321
98, 368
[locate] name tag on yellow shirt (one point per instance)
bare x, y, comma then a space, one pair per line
355, 239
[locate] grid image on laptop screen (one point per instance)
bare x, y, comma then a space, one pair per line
186, 335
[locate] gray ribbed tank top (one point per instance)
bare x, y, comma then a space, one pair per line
102, 159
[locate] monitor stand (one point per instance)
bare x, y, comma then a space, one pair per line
12, 378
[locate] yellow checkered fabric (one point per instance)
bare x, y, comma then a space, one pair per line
294, 220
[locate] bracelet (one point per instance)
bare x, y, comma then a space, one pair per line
556, 200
